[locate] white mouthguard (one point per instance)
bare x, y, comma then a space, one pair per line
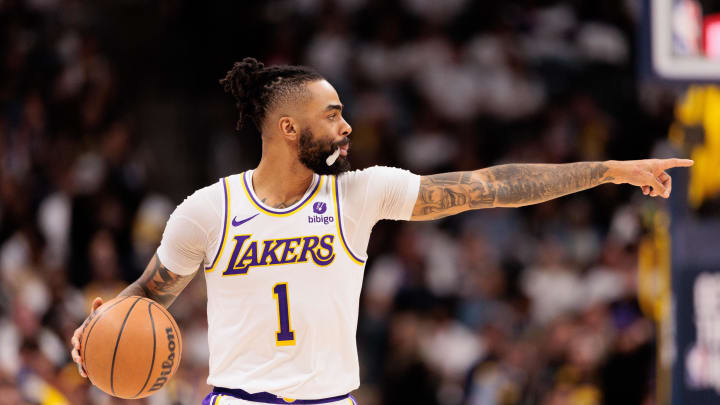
332, 158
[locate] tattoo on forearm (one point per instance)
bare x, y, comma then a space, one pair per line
133, 289
510, 185
158, 283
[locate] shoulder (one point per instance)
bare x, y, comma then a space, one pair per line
206, 200
373, 173
212, 191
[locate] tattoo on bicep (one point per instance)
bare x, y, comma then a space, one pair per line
450, 193
159, 283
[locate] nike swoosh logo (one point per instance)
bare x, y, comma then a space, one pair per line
235, 222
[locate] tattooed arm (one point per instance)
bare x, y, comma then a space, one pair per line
197, 220
158, 283
516, 185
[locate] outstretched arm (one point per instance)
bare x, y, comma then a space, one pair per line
516, 185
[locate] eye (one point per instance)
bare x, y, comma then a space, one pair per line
332, 116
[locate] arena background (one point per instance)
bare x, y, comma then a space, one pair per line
111, 113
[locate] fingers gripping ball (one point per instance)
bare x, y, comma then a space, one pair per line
131, 347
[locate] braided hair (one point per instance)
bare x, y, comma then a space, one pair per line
257, 88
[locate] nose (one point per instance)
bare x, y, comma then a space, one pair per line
347, 129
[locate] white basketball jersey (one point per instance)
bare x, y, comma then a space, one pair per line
283, 295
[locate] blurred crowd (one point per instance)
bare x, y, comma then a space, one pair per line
110, 113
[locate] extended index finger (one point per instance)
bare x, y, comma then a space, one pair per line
675, 162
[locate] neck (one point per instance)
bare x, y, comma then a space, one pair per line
280, 180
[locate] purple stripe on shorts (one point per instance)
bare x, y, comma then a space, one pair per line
268, 398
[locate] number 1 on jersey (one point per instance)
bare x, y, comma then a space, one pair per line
284, 336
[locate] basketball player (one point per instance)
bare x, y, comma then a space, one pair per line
282, 246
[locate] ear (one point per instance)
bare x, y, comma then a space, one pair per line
289, 128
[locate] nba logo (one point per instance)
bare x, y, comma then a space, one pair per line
319, 207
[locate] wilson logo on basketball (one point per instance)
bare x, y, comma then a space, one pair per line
167, 364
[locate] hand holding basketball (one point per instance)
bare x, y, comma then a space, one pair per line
128, 347
75, 341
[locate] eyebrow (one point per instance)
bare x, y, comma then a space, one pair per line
331, 107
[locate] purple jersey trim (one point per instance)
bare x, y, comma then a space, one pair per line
340, 226
222, 240
208, 399
271, 211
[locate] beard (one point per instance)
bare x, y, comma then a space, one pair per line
312, 154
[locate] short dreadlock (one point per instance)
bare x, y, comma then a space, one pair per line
256, 88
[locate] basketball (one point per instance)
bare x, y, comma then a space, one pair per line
131, 347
